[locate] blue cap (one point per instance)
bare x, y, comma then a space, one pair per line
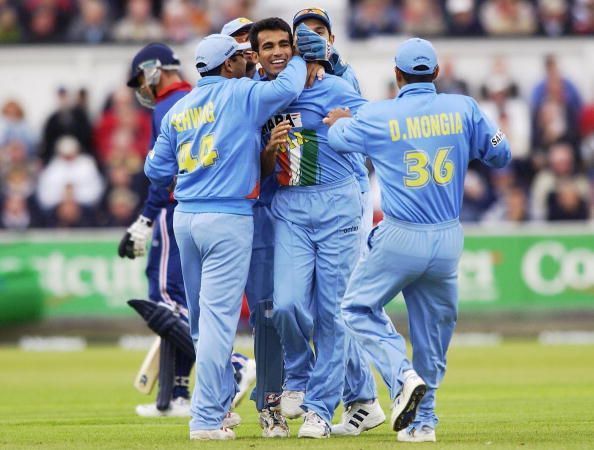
416, 57
215, 49
312, 13
230, 28
159, 52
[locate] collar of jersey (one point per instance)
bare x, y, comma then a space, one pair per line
211, 80
417, 88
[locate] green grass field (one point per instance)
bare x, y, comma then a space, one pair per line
518, 395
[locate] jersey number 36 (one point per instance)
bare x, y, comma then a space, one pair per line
207, 156
420, 171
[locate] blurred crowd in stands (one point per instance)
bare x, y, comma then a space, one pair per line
178, 21
471, 17
87, 171
100, 21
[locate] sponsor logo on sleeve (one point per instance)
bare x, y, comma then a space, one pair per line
497, 138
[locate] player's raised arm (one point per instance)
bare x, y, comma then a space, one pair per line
161, 164
488, 143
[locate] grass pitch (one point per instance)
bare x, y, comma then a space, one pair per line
517, 395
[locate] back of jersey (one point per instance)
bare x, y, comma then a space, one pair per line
420, 145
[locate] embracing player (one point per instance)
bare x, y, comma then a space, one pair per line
362, 409
315, 247
218, 179
420, 144
158, 84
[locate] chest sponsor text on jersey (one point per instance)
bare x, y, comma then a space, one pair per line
426, 126
293, 118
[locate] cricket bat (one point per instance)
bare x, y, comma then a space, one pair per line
149, 370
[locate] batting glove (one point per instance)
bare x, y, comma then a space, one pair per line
312, 46
135, 240
339, 66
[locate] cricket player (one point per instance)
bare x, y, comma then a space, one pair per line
205, 142
155, 77
420, 144
362, 409
158, 85
260, 283
316, 246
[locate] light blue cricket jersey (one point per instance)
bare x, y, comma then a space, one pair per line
307, 159
420, 144
210, 139
361, 171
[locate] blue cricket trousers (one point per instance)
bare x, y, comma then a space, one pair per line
215, 252
422, 262
316, 248
359, 383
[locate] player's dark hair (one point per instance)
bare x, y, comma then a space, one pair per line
272, 23
412, 78
214, 72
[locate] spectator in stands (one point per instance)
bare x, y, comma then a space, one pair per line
46, 20
68, 119
69, 213
561, 102
462, 19
511, 113
500, 70
553, 17
92, 25
10, 29
69, 168
15, 213
583, 17
391, 90
587, 139
566, 202
122, 208
373, 17
224, 11
138, 25
512, 206
508, 17
18, 182
478, 194
177, 22
448, 82
122, 152
561, 168
122, 113
13, 127
423, 17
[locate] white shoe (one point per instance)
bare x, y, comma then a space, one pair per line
222, 434
247, 375
314, 427
273, 424
290, 404
179, 407
359, 417
405, 405
412, 434
231, 420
